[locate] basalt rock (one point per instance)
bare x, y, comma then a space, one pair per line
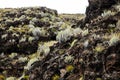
15, 26
94, 56
96, 7
47, 48
27, 35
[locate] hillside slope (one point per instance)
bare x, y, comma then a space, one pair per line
43, 45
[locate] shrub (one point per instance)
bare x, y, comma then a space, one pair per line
43, 50
108, 13
114, 39
64, 35
68, 59
37, 32
85, 32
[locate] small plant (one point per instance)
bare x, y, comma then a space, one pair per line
23, 39
43, 50
69, 68
73, 43
111, 25
117, 7
77, 31
22, 59
56, 77
31, 26
44, 32
36, 32
68, 59
114, 39
63, 25
12, 55
32, 22
26, 77
81, 78
86, 43
64, 35
99, 48
22, 17
15, 34
30, 39
62, 72
4, 36
85, 32
108, 13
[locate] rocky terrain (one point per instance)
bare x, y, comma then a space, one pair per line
40, 44
71, 19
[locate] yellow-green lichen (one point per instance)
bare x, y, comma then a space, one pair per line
56, 77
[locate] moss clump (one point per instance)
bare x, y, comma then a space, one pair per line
99, 48
64, 35
69, 68
114, 39
56, 77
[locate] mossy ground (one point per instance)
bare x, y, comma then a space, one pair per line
40, 44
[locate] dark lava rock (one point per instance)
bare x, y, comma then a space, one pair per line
91, 53
99, 60
96, 7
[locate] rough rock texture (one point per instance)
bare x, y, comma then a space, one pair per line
94, 56
56, 49
96, 7
26, 35
18, 26
71, 18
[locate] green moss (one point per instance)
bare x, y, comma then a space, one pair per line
98, 79
55, 77
69, 68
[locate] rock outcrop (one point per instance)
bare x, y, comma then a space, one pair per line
96, 7
20, 28
40, 45
93, 54
26, 35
